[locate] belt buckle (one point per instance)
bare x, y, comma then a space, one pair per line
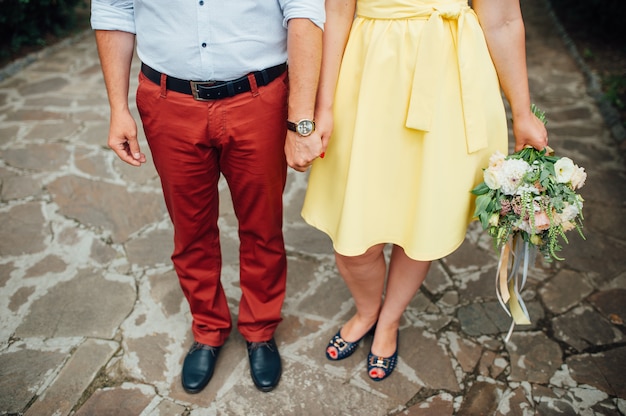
196, 84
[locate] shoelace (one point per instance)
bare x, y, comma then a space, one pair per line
255, 345
198, 346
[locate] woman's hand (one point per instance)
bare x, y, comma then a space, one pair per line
529, 131
324, 123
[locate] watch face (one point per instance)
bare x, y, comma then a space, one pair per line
305, 127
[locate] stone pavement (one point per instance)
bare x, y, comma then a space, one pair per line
92, 321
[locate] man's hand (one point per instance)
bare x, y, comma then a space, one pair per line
123, 138
115, 49
304, 47
302, 151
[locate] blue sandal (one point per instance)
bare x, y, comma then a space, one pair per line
342, 348
386, 364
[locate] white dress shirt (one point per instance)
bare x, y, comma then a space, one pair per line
206, 39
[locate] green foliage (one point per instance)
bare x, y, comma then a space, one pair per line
615, 87
539, 113
28, 22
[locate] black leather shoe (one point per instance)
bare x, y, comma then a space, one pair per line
265, 366
198, 367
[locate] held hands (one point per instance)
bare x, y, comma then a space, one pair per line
529, 131
123, 138
302, 151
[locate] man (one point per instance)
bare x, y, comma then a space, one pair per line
213, 99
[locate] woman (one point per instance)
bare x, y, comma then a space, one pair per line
411, 92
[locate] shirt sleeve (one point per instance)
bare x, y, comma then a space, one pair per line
307, 9
113, 15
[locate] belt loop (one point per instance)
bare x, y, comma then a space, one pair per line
231, 89
163, 85
254, 89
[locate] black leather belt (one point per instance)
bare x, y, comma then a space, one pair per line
214, 90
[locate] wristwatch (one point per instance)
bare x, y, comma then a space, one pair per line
303, 127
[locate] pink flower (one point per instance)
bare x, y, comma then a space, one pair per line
542, 222
506, 206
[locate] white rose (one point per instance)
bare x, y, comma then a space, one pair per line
491, 178
564, 168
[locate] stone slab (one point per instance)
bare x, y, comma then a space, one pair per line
76, 375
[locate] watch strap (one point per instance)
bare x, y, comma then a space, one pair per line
292, 126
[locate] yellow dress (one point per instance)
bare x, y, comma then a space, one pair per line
418, 112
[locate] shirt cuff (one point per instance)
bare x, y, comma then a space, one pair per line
312, 10
107, 17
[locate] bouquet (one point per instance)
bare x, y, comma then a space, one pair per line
527, 202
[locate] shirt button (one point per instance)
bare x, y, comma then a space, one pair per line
201, 3
204, 44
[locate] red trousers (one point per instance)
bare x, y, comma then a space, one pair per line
192, 143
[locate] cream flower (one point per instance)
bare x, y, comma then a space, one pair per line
579, 176
569, 212
564, 169
496, 159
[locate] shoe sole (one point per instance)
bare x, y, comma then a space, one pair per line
268, 388
193, 391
